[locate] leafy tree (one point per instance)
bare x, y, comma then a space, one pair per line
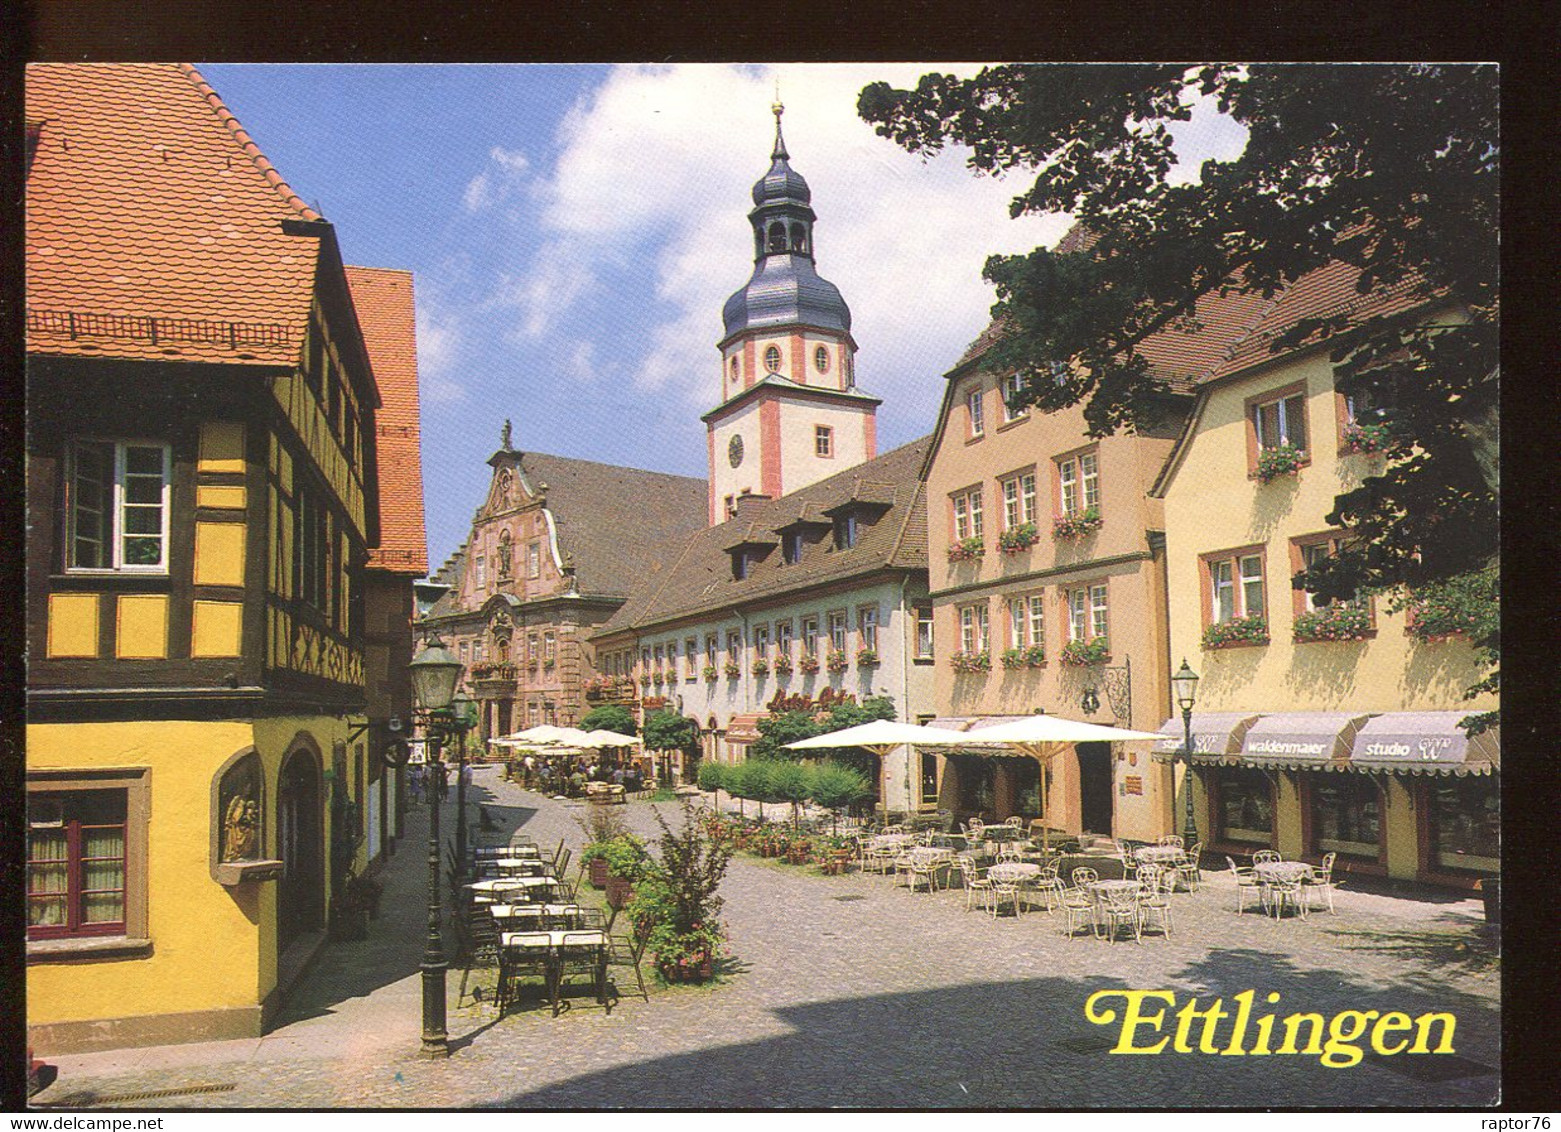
778, 730
836, 786
791, 782
610, 717
669, 731
712, 776
1389, 169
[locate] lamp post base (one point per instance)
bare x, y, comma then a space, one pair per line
436, 1041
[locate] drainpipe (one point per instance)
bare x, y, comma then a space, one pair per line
907, 642
1158, 556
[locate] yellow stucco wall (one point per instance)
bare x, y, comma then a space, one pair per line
1213, 505
212, 947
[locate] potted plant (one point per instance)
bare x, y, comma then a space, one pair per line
709, 672
866, 658
808, 663
1081, 654
1467, 605
967, 549
1336, 622
732, 669
1251, 630
971, 661
837, 662
1281, 460
761, 667
783, 664
1076, 524
676, 911
1017, 538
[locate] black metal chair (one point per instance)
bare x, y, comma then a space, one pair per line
627, 951
477, 936
580, 953
526, 953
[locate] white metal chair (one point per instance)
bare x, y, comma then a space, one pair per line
1321, 880
1266, 857
1154, 897
1171, 841
1050, 887
1246, 881
1190, 868
974, 881
1119, 908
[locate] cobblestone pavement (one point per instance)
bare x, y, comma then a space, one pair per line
851, 991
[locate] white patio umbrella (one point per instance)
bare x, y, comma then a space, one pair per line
1043, 737
604, 738
878, 737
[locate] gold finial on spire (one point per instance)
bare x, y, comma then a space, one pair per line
776, 107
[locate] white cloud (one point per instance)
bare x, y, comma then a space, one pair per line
505, 173
438, 345
659, 161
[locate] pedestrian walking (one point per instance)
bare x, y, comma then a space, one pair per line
415, 783
442, 780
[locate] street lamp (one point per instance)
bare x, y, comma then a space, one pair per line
1185, 682
462, 714
435, 672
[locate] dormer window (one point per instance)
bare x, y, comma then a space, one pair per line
791, 547
847, 527
740, 565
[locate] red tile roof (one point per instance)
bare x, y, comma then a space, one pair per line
383, 299
155, 226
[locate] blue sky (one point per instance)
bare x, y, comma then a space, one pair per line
574, 229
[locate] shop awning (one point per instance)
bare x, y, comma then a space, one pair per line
1424, 742
744, 728
1302, 740
1216, 737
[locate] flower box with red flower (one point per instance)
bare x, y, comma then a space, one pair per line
1082, 654
783, 665
837, 662
732, 669
1252, 630
1365, 437
967, 549
971, 661
1018, 538
761, 667
1336, 622
709, 672
1280, 460
866, 658
808, 664
1076, 524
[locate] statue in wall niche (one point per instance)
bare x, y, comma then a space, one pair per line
504, 549
241, 829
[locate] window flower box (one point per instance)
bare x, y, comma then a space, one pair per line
1082, 654
1076, 524
732, 669
1281, 460
1032, 657
837, 662
967, 549
866, 658
1367, 438
646, 679
761, 667
549, 665
1336, 622
783, 665
1251, 630
658, 678
1018, 538
1465, 606
808, 664
971, 661
709, 672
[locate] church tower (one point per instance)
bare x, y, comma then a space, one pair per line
790, 413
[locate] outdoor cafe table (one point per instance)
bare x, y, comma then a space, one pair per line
551, 941
891, 840
513, 866
1101, 888
1160, 855
494, 852
1021, 872
510, 915
1001, 833
493, 887
1283, 872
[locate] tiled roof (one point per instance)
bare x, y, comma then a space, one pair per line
383, 299
155, 226
612, 521
700, 579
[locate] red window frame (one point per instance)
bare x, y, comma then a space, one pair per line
75, 866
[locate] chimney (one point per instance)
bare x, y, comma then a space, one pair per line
748, 504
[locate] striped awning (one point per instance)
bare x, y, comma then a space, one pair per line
1216, 737
1302, 740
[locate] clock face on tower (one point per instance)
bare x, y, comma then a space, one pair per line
734, 451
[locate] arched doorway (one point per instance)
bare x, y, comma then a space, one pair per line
301, 846
1095, 808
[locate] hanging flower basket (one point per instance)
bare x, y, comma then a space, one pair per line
967, 549
1018, 538
837, 662
866, 658
1076, 524
1336, 622
1251, 630
971, 661
1082, 654
1282, 460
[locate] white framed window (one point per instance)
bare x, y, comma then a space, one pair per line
1086, 607
821, 360
867, 626
1012, 387
968, 518
691, 659
1235, 586
1312, 551
1037, 604
1026, 620
734, 646
973, 628
117, 507
1018, 623
772, 359
838, 624
1280, 420
1098, 624
712, 646
810, 636
549, 648
823, 441
761, 642
783, 639
976, 412
1018, 500
924, 638
1078, 483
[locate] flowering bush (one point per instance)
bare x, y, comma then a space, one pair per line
1336, 622
1251, 630
1468, 605
675, 908
866, 657
709, 672
1282, 460
761, 667
971, 661
967, 548
732, 669
783, 664
837, 662
809, 663
1076, 524
1360, 437
1017, 538
1079, 654
1032, 657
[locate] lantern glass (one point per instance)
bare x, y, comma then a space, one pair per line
1186, 684
435, 673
